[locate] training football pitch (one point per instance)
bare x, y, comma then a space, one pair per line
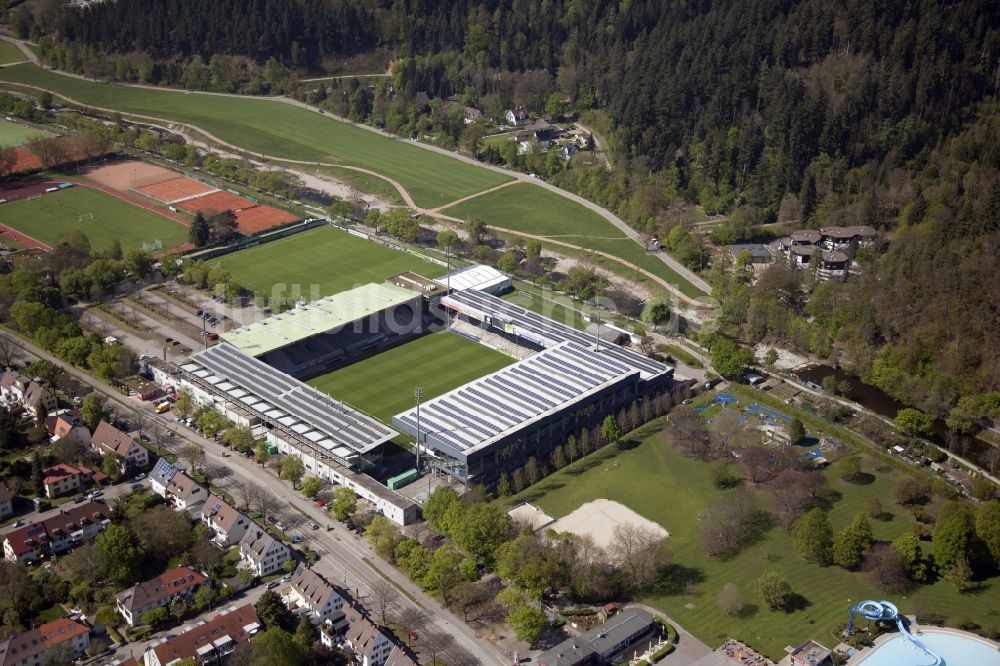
281, 130
318, 263
382, 385
104, 219
12, 134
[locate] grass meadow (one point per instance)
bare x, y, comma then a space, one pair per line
279, 129
382, 385
331, 260
49, 216
10, 53
675, 491
530, 209
12, 134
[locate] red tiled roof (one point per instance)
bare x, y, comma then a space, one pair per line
34, 642
60, 471
227, 624
154, 591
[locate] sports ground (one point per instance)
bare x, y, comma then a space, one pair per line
102, 217
382, 385
674, 491
319, 262
12, 134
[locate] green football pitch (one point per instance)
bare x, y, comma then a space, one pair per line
280, 130
102, 217
317, 263
382, 385
12, 134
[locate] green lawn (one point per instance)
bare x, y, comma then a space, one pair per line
49, 216
10, 53
12, 134
281, 130
531, 209
319, 262
382, 385
674, 491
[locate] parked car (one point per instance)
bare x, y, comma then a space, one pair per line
295, 538
272, 520
169, 341
140, 476
273, 584
213, 336
311, 525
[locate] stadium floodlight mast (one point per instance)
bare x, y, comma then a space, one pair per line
418, 393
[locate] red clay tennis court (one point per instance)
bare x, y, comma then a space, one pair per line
252, 220
174, 190
216, 202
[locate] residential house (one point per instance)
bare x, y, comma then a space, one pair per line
108, 439
537, 137
833, 265
605, 643
63, 479
67, 529
758, 253
471, 115
6, 502
370, 644
811, 653
159, 592
16, 389
517, 116
70, 637
207, 642
841, 238
228, 524
399, 656
309, 593
568, 150
159, 478
261, 553
66, 426
184, 492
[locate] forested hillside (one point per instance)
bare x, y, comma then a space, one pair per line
808, 113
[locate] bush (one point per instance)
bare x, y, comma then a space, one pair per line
663, 652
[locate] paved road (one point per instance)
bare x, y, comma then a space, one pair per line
343, 555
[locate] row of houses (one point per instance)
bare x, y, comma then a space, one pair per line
69, 637
58, 533
828, 250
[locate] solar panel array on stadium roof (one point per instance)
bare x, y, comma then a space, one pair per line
546, 331
489, 407
286, 400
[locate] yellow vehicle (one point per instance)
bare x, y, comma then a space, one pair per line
163, 407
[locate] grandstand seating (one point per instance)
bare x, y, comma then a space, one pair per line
492, 340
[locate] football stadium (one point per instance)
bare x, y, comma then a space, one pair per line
556, 381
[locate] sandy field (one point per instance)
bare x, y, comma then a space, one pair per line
598, 519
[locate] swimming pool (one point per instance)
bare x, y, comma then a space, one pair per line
955, 650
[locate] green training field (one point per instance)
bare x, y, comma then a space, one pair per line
324, 259
54, 213
382, 385
10, 53
12, 134
281, 130
531, 209
674, 491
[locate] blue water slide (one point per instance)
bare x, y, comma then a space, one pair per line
886, 611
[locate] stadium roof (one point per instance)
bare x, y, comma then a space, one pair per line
253, 385
477, 277
319, 316
487, 409
543, 331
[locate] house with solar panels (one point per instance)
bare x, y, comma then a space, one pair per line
567, 381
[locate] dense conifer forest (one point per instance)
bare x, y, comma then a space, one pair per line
806, 113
